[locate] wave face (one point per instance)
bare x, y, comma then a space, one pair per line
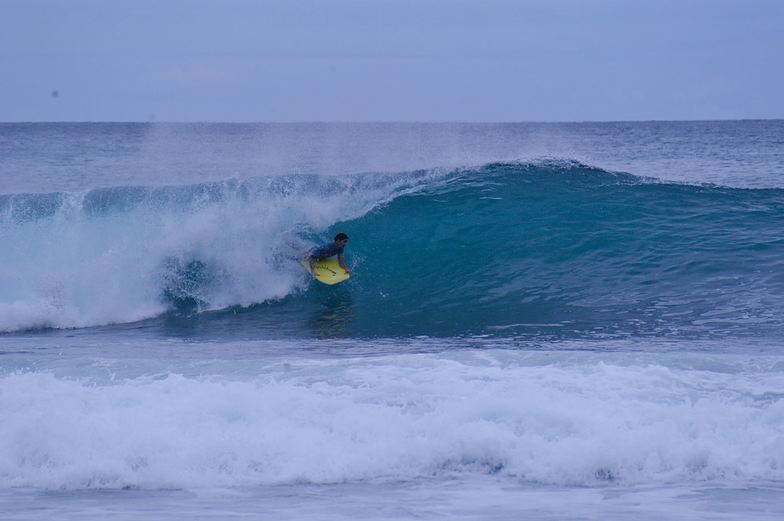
510, 247
550, 249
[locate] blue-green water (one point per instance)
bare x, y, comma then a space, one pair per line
547, 249
579, 317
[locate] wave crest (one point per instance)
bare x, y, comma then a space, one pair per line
485, 250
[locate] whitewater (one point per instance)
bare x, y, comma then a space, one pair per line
559, 321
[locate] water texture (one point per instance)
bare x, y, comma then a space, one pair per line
555, 321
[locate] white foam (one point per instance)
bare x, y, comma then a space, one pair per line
392, 418
81, 267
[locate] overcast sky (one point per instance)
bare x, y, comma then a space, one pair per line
385, 60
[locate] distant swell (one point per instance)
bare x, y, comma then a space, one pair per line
548, 249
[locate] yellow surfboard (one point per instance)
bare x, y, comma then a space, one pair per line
328, 271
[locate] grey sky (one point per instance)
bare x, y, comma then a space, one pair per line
383, 60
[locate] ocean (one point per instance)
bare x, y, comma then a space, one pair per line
551, 321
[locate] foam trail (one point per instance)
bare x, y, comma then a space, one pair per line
395, 418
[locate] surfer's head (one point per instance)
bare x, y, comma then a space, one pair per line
341, 239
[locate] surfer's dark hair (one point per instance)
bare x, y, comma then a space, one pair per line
341, 237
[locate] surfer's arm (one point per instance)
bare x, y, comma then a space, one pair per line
312, 263
342, 263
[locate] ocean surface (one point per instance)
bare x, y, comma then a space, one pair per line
545, 321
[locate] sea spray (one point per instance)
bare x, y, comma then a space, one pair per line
122, 254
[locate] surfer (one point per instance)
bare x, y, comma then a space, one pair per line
329, 250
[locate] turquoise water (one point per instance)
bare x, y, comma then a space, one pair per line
544, 249
551, 320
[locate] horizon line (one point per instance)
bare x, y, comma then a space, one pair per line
384, 122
